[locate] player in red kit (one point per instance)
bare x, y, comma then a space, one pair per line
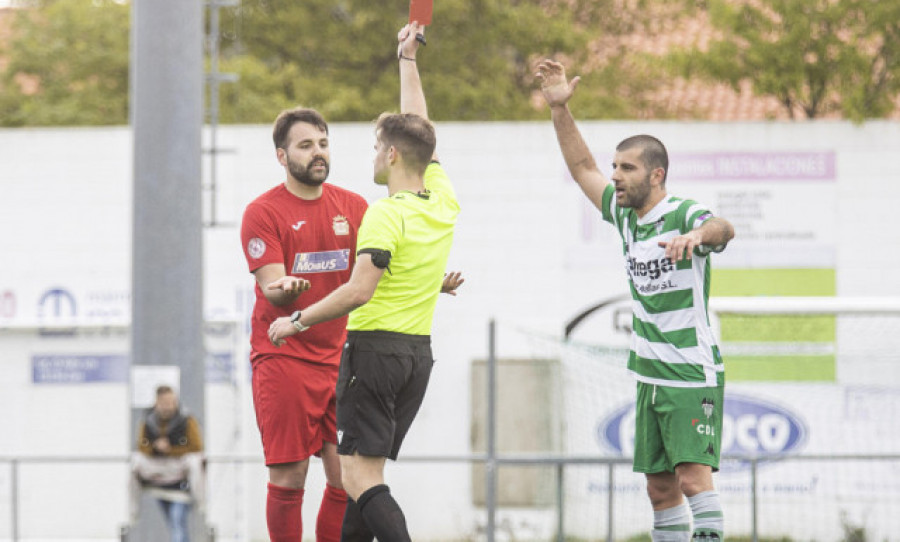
302, 233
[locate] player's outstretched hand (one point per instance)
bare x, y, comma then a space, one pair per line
556, 89
681, 247
408, 44
452, 281
290, 285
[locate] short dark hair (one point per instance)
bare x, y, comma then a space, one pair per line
411, 134
164, 389
289, 117
653, 152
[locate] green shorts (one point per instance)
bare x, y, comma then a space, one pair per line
677, 425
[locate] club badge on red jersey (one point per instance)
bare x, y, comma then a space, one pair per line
340, 225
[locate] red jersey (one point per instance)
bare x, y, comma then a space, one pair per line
315, 240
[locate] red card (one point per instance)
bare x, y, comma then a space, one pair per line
420, 11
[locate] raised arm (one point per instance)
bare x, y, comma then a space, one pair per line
412, 97
557, 91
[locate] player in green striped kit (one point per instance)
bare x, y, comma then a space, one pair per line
680, 376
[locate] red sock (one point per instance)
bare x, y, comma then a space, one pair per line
283, 514
331, 514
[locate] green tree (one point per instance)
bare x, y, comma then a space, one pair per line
67, 64
814, 56
68, 59
339, 57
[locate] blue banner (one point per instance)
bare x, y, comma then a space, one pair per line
78, 369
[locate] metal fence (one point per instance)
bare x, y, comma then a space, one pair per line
492, 460
492, 463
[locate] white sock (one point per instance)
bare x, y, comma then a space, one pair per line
709, 523
672, 524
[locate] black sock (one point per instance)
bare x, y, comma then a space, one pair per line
383, 515
354, 528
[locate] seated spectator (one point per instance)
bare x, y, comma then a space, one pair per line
169, 462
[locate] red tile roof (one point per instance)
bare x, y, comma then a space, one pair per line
702, 99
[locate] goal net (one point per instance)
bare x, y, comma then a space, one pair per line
811, 437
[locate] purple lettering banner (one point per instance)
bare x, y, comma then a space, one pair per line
78, 368
754, 166
741, 166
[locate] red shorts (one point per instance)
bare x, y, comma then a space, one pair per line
295, 407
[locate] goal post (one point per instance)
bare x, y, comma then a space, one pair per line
812, 392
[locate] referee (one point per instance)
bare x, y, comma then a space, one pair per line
402, 248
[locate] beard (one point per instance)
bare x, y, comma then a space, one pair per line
635, 196
302, 174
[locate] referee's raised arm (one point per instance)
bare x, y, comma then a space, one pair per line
412, 97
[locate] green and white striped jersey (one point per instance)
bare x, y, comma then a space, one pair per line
672, 343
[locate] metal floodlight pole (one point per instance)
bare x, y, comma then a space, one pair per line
167, 118
490, 466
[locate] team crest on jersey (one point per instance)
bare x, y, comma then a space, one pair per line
707, 405
659, 225
341, 225
256, 247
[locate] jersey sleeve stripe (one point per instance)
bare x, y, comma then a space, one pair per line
608, 211
693, 214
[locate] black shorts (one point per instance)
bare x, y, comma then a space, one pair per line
380, 387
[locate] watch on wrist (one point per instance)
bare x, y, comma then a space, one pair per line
295, 319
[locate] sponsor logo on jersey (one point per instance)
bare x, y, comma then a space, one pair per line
298, 225
750, 426
653, 288
321, 262
341, 225
256, 247
651, 268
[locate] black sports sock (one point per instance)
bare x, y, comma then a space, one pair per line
383, 515
354, 528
